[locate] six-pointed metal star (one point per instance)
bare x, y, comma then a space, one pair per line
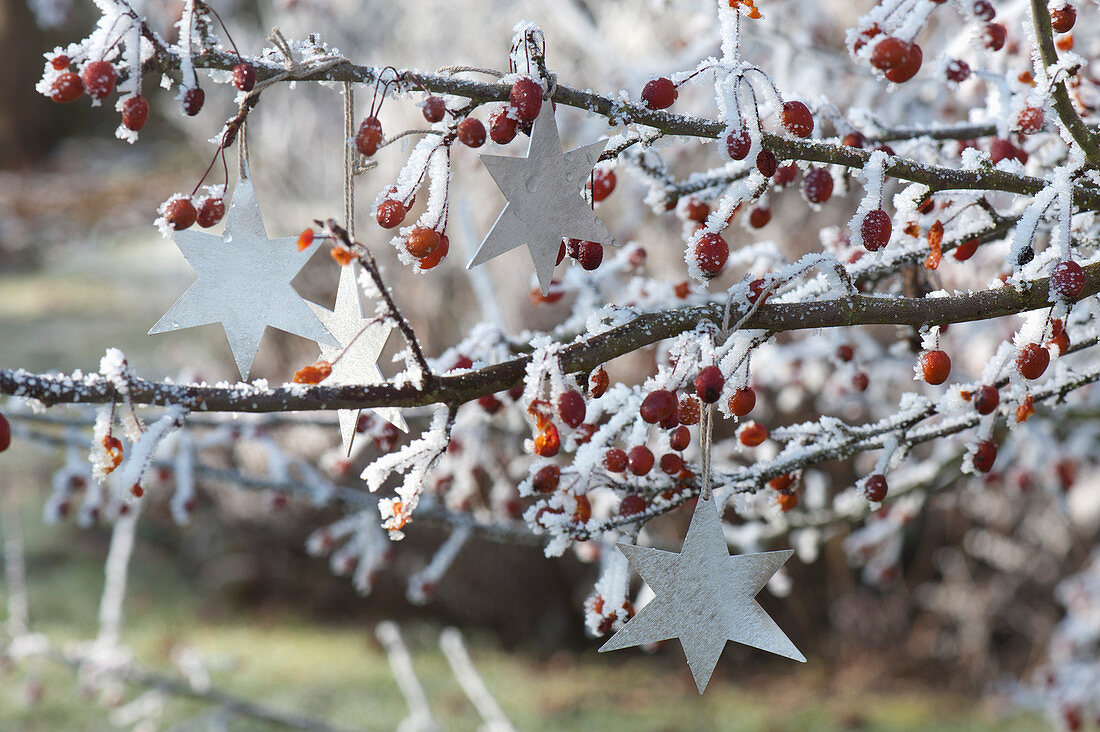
704, 597
243, 282
360, 341
544, 200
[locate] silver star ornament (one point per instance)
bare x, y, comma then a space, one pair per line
243, 282
360, 341
544, 199
704, 597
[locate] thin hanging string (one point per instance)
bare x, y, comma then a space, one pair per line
242, 152
707, 419
349, 160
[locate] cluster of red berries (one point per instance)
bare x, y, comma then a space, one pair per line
427, 245
180, 211
524, 105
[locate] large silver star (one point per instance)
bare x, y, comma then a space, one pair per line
704, 597
544, 200
243, 282
360, 342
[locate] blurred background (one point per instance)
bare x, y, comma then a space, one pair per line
82, 269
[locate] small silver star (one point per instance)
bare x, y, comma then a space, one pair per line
544, 200
243, 282
704, 597
360, 342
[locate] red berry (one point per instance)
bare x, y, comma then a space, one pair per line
876, 229
817, 186
696, 210
526, 97
752, 434
99, 79
502, 127
860, 381
437, 256
679, 438
615, 460
966, 250
935, 366
759, 217
689, 411
984, 10
957, 70
422, 241
571, 407
471, 132
210, 212
854, 139
135, 111
1029, 120
490, 403
180, 213
889, 53
433, 109
711, 252
1067, 279
766, 163
874, 488
994, 36
845, 352
66, 88
5, 433
583, 511
671, 463
1001, 149
390, 213
631, 504
738, 144
60, 62
709, 384
987, 399
797, 119
590, 254
908, 68
640, 460
785, 174
658, 406
756, 289
369, 136
244, 76
546, 479
742, 401
598, 382
1032, 361
601, 184
548, 442
1061, 19
659, 93
193, 100
984, 456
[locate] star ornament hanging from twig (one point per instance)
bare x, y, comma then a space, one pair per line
243, 282
360, 342
544, 200
704, 597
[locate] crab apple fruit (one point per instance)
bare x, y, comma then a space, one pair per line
180, 213
422, 241
631, 504
571, 407
1032, 360
5, 433
817, 186
598, 381
671, 463
471, 132
659, 93
993, 36
135, 112
526, 98
390, 213
987, 399
1063, 18
742, 401
738, 144
766, 163
1029, 120
889, 53
433, 109
210, 212
679, 438
908, 68
759, 217
785, 174
966, 250
602, 183
583, 510
546, 479
615, 460
589, 254
99, 79
845, 352
1067, 279
657, 406
876, 229
244, 76
697, 210
711, 253
66, 88
193, 100
689, 411
985, 455
369, 137
502, 127
548, 442
935, 366
709, 384
797, 119
433, 259
874, 488
60, 62
752, 434
490, 403
860, 381
640, 460
957, 70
